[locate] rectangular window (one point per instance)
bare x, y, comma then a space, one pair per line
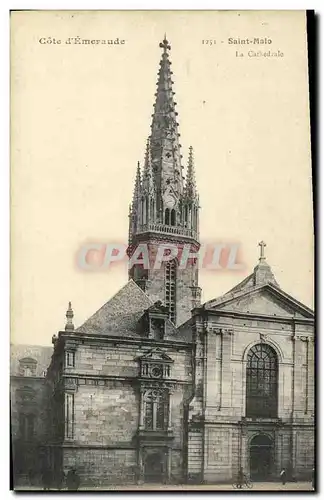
27, 427
156, 411
70, 359
69, 416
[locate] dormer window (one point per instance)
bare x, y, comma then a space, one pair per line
157, 328
27, 367
153, 322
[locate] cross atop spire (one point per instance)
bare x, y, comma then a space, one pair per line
165, 44
262, 246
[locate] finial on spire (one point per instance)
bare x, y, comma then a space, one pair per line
165, 44
69, 318
262, 245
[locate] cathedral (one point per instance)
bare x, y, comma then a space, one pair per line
156, 387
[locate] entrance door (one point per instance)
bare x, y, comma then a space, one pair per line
154, 467
261, 458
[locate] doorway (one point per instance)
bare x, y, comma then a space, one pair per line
155, 467
261, 457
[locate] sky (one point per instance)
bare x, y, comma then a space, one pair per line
80, 116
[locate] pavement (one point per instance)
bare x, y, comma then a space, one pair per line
296, 486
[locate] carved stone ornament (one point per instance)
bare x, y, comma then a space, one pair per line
70, 384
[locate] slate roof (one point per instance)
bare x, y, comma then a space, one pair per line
120, 316
41, 354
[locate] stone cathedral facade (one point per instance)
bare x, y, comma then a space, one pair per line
157, 387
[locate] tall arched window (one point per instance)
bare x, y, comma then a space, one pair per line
167, 217
170, 288
173, 217
262, 382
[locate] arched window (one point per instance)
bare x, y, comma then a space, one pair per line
167, 217
262, 382
170, 288
173, 217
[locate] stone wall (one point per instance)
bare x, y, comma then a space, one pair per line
97, 466
222, 345
107, 408
28, 398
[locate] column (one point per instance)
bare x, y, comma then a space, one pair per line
226, 369
142, 409
170, 411
69, 415
299, 374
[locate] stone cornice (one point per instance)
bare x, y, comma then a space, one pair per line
98, 378
253, 316
83, 338
157, 237
221, 330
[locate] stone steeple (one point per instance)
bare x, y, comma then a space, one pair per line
165, 146
164, 210
160, 198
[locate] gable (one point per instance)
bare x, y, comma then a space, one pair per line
264, 301
37, 356
156, 354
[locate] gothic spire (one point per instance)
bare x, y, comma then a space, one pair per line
165, 147
191, 189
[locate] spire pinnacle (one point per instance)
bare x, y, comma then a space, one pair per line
148, 181
69, 326
137, 187
191, 190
